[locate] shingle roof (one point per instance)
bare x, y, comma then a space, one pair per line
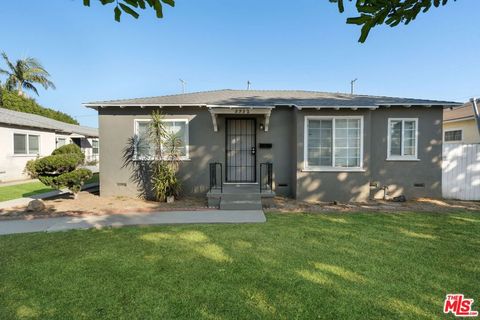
35, 121
259, 98
464, 112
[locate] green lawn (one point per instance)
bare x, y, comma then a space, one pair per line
296, 266
30, 189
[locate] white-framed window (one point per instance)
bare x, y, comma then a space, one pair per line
26, 144
455, 135
61, 142
95, 147
144, 149
333, 143
402, 139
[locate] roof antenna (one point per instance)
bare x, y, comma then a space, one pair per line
183, 85
352, 85
248, 84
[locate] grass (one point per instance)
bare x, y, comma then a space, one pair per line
296, 266
31, 188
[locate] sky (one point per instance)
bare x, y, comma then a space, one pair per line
214, 44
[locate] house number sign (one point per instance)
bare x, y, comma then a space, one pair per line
242, 111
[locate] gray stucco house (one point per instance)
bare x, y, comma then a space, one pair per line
321, 146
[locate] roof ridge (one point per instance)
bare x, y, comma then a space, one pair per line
165, 95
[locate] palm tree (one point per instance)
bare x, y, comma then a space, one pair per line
24, 74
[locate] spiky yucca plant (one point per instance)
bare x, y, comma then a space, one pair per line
166, 159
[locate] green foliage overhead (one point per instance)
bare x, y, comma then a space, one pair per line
12, 101
59, 170
390, 12
371, 12
131, 7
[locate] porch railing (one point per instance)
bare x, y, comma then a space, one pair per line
266, 176
215, 183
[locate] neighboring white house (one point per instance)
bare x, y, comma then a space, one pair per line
25, 136
460, 125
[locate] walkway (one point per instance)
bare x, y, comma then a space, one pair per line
119, 220
24, 201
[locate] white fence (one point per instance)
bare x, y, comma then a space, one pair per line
461, 171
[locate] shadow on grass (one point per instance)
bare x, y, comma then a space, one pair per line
295, 266
35, 192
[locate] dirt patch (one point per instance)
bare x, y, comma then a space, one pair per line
416, 205
91, 204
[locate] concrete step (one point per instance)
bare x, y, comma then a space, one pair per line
241, 202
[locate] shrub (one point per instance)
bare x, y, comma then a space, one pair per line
59, 170
165, 182
68, 148
57, 164
30, 169
74, 180
12, 101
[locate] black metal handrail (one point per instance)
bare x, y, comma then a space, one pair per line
266, 167
214, 183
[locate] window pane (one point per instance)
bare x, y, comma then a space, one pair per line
319, 151
409, 137
19, 143
143, 147
347, 142
33, 144
61, 142
455, 135
179, 130
95, 146
396, 138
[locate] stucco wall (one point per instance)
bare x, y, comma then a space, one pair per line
401, 176
12, 166
328, 186
286, 133
469, 130
205, 146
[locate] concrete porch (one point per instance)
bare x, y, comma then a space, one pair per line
240, 197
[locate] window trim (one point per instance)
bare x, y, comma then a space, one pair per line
187, 142
60, 138
98, 147
331, 168
402, 157
27, 144
453, 141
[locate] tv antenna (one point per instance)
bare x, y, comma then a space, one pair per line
183, 85
352, 85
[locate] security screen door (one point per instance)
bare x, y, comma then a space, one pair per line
240, 151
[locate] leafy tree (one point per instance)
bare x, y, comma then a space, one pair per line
24, 74
60, 169
389, 12
372, 12
131, 6
12, 101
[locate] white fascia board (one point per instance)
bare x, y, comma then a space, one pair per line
336, 107
124, 105
426, 104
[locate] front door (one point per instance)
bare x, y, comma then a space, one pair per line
240, 151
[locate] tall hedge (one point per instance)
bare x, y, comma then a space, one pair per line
12, 101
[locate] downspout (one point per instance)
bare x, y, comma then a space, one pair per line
477, 113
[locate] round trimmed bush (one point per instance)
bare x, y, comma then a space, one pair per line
59, 170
